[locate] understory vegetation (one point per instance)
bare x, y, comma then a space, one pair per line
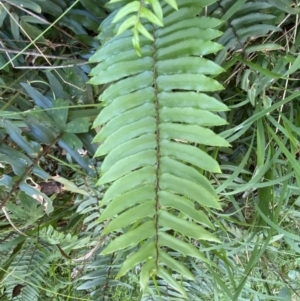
149, 150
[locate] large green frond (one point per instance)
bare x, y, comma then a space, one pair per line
154, 133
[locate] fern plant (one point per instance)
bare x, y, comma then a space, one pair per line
28, 269
155, 137
242, 22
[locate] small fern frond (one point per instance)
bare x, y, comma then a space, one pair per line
243, 22
28, 268
100, 282
154, 132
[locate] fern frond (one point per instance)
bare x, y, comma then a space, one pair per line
28, 268
154, 133
243, 21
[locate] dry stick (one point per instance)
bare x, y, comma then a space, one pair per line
4, 49
51, 67
80, 62
27, 171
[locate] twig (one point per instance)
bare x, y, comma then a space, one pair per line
4, 49
51, 67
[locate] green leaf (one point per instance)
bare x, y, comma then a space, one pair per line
32, 19
137, 178
200, 22
248, 19
128, 23
256, 30
6, 181
167, 199
187, 47
189, 189
187, 82
18, 164
184, 171
4, 8
190, 99
190, 115
60, 112
121, 70
156, 9
51, 8
136, 41
294, 67
118, 48
10, 244
85, 19
136, 114
264, 47
180, 246
128, 164
147, 14
78, 125
124, 103
127, 55
171, 281
27, 4
73, 25
146, 272
90, 6
14, 25
127, 85
172, 3
131, 238
128, 132
131, 147
233, 9
72, 140
191, 133
146, 209
258, 68
175, 265
32, 31
188, 65
70, 186
127, 200
16, 135
206, 34
38, 98
190, 154
141, 28
186, 228
145, 252
31, 208
129, 8
284, 5
184, 13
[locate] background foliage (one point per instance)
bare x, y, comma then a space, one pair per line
51, 242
